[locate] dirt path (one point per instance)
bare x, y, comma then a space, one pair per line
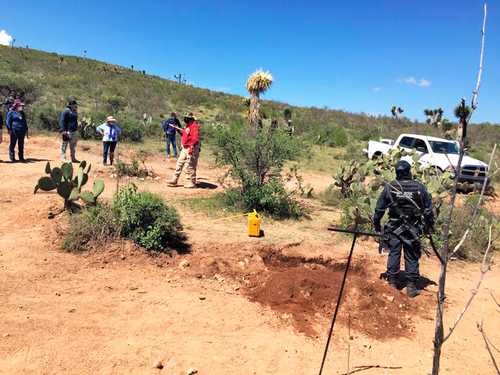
234, 309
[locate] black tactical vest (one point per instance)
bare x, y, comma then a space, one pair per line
405, 199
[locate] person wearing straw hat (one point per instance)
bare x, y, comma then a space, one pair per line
110, 131
18, 129
190, 140
68, 126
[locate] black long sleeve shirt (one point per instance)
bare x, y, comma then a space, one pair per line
385, 200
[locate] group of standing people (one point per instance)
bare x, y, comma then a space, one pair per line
68, 127
17, 128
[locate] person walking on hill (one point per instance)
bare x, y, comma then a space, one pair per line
68, 126
170, 127
190, 140
17, 127
410, 216
110, 132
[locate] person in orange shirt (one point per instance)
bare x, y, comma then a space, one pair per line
190, 140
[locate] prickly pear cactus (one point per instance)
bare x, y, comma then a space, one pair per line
91, 197
361, 185
68, 184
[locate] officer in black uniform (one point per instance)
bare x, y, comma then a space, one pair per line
410, 215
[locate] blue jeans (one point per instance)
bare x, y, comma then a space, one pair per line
16, 137
108, 148
412, 252
170, 138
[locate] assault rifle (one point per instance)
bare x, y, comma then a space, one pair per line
406, 226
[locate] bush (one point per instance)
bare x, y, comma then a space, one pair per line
93, 226
45, 117
146, 219
476, 243
133, 169
256, 162
329, 136
271, 198
132, 130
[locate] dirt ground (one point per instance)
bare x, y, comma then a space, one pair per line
232, 305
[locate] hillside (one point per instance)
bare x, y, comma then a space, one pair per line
47, 79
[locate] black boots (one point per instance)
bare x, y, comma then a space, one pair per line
393, 281
411, 289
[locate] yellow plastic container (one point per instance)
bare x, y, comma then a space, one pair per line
254, 221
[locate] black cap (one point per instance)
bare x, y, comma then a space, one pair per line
403, 169
72, 101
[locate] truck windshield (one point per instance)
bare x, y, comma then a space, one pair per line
444, 147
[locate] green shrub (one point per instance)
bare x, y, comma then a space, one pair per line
45, 117
132, 169
271, 198
93, 226
146, 219
476, 243
256, 162
132, 130
329, 136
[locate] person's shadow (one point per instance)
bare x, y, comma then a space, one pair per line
35, 160
402, 281
26, 161
205, 184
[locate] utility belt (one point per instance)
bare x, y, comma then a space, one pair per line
403, 230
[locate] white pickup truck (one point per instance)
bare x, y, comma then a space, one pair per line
437, 152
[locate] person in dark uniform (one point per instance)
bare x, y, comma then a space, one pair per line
410, 215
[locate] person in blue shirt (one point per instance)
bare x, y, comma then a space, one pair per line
18, 129
68, 126
170, 132
110, 131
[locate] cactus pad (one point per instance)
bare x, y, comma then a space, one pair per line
88, 197
98, 188
64, 189
67, 171
46, 184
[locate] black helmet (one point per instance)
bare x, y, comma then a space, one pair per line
403, 170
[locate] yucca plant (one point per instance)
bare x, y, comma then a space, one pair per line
397, 112
258, 83
462, 113
434, 117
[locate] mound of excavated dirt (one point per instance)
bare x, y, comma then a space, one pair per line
302, 290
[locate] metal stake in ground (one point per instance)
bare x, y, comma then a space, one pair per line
339, 299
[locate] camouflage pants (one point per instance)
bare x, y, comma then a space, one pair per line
72, 146
191, 162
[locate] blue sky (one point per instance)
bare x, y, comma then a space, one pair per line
360, 56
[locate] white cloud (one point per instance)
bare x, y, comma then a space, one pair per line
377, 89
422, 82
5, 38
